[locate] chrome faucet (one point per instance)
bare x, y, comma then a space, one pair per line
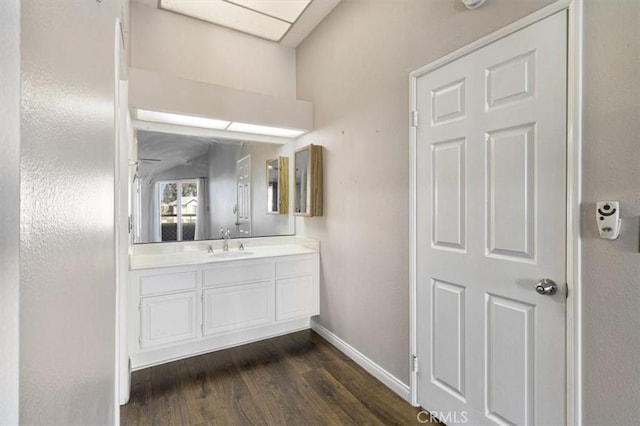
225, 235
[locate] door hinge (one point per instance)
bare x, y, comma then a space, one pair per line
140, 341
414, 363
414, 118
140, 306
129, 224
566, 290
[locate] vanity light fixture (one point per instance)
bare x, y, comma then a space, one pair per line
215, 124
181, 120
265, 130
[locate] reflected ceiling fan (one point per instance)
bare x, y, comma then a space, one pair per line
136, 164
148, 160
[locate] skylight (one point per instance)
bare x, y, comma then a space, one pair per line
267, 19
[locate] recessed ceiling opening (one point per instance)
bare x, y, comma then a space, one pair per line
270, 20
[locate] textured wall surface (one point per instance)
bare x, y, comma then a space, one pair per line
355, 69
611, 171
10, 218
169, 43
67, 288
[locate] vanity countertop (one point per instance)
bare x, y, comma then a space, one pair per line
160, 255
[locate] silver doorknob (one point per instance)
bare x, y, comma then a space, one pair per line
546, 286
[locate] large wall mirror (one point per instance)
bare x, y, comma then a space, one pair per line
186, 188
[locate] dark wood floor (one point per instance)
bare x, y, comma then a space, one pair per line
297, 379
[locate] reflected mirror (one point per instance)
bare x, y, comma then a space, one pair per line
278, 185
308, 181
302, 178
186, 188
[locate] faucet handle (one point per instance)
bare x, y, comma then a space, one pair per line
241, 246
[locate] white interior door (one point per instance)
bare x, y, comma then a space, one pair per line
243, 207
491, 223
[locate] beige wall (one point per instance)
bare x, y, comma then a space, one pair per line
611, 165
67, 272
184, 47
10, 196
355, 68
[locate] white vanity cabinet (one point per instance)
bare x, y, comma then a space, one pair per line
179, 311
167, 306
236, 296
295, 288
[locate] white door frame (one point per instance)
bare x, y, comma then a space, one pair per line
574, 184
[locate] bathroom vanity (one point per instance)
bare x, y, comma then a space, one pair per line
191, 298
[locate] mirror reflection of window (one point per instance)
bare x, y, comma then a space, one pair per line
178, 210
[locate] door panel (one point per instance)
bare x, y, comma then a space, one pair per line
243, 206
510, 190
509, 364
511, 80
167, 319
448, 102
448, 194
491, 222
448, 338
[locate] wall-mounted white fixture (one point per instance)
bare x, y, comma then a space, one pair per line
473, 4
181, 120
204, 109
608, 219
215, 124
265, 130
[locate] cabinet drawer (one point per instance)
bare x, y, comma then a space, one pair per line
166, 283
294, 297
236, 274
289, 268
237, 307
167, 319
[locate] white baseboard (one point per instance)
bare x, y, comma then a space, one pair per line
372, 368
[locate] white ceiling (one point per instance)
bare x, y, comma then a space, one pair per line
170, 150
287, 22
159, 151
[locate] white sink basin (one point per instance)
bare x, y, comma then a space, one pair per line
231, 254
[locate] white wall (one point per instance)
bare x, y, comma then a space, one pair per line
169, 43
10, 218
67, 282
354, 68
611, 162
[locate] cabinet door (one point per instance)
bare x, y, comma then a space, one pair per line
238, 306
294, 297
168, 319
